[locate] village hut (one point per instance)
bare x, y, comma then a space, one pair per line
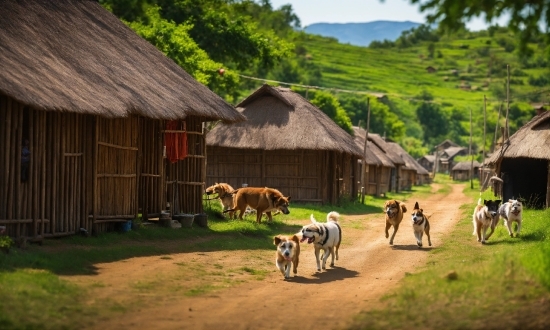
286, 143
523, 162
409, 172
427, 162
461, 171
84, 104
396, 176
446, 158
378, 165
422, 175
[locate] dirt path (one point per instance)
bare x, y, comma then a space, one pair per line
368, 268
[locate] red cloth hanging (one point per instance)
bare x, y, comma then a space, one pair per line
176, 143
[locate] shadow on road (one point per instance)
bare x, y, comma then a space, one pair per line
330, 275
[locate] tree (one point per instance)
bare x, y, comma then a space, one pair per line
331, 107
525, 16
434, 122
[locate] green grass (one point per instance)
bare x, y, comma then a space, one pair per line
498, 285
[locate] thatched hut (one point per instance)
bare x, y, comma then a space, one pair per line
286, 143
422, 175
523, 162
396, 181
461, 171
408, 171
84, 102
427, 162
379, 165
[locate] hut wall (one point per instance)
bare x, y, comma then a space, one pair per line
378, 180
530, 184
186, 178
152, 179
52, 196
305, 175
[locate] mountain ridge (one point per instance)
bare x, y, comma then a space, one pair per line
361, 33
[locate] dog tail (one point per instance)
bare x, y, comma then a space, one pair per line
312, 218
403, 207
333, 216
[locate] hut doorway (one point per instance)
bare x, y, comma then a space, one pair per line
525, 178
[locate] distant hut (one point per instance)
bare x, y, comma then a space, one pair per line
430, 69
446, 158
378, 173
422, 175
84, 102
409, 172
461, 171
286, 143
523, 162
427, 162
396, 179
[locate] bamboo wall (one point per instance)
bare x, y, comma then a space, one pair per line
305, 175
88, 172
186, 178
378, 180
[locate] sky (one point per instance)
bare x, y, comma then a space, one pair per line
362, 11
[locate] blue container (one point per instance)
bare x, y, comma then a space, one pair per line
126, 226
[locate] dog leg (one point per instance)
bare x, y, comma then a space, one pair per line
509, 227
287, 270
427, 231
388, 225
317, 259
269, 217
325, 257
519, 228
484, 234
478, 231
418, 238
331, 251
395, 228
281, 267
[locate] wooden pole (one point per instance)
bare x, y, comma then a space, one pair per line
365, 167
484, 133
507, 130
471, 155
496, 127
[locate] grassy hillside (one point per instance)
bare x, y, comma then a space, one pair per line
467, 68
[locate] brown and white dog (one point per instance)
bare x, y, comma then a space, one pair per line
288, 254
394, 210
263, 200
324, 236
511, 212
421, 225
485, 216
225, 195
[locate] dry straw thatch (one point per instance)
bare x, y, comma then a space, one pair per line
466, 165
374, 155
280, 119
530, 141
75, 56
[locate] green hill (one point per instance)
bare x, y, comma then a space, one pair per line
464, 69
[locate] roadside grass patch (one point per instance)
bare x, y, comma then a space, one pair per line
466, 285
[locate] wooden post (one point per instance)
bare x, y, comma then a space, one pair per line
496, 127
365, 167
471, 155
507, 103
484, 132
548, 187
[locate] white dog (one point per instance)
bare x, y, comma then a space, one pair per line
485, 216
324, 236
288, 254
511, 212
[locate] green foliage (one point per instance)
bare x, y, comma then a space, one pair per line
414, 147
331, 107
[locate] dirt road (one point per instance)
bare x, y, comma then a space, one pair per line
368, 268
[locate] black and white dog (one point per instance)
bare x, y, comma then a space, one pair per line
324, 236
511, 212
421, 225
485, 216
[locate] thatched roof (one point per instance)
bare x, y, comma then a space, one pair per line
465, 166
374, 155
531, 141
453, 151
387, 149
447, 141
75, 56
410, 162
429, 158
278, 118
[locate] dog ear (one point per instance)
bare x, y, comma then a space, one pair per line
421, 210
296, 239
416, 206
288, 198
498, 201
276, 240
